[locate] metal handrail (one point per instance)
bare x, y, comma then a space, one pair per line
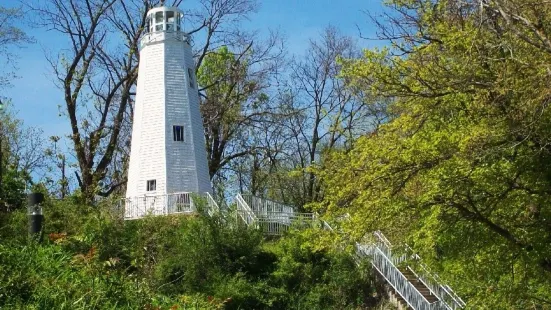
245, 211
276, 218
279, 223
449, 299
395, 277
382, 238
383, 261
432, 291
279, 216
433, 282
260, 205
212, 206
324, 224
272, 217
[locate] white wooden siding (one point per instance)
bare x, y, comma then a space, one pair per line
164, 99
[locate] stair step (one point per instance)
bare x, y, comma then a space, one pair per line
416, 282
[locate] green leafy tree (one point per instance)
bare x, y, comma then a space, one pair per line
234, 101
462, 170
22, 159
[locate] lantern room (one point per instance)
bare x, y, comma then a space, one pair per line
164, 19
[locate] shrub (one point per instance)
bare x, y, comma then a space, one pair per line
91, 258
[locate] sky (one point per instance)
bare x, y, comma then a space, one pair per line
37, 99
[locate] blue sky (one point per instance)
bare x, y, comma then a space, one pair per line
36, 98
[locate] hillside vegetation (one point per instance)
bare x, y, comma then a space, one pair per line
90, 259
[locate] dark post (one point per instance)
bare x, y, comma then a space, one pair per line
36, 218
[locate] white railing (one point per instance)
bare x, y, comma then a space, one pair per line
433, 282
265, 206
140, 206
175, 203
212, 206
380, 251
272, 217
163, 35
244, 211
276, 223
396, 278
448, 299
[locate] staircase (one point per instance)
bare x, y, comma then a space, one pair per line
272, 217
421, 290
413, 278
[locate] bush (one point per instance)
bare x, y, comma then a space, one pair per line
320, 277
91, 258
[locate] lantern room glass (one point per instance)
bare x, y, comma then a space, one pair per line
168, 20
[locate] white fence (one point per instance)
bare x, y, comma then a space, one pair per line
271, 217
175, 203
212, 206
266, 206
274, 223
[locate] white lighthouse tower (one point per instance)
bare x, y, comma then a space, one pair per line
168, 158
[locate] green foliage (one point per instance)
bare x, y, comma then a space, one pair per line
317, 277
234, 100
90, 258
51, 277
13, 187
462, 170
17, 157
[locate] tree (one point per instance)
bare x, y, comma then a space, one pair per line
20, 147
234, 99
59, 160
316, 113
462, 169
21, 158
10, 36
98, 72
97, 79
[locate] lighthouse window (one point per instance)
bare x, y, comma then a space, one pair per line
170, 20
159, 21
178, 132
151, 185
159, 17
190, 77
170, 16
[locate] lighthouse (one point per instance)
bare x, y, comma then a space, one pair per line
168, 160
